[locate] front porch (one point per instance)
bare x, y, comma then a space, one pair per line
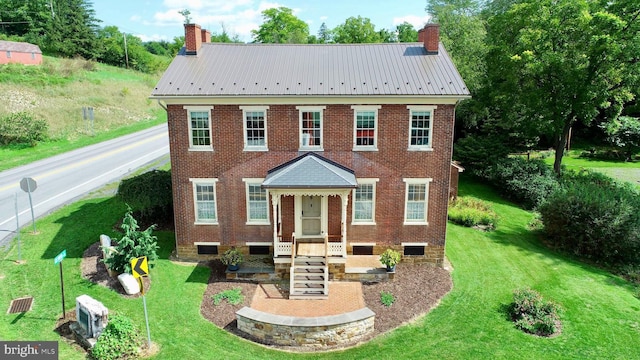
362, 268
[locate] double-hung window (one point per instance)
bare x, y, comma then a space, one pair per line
199, 127
257, 202
255, 127
364, 202
420, 127
311, 127
416, 201
204, 199
365, 126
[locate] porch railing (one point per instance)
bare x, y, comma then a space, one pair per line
285, 246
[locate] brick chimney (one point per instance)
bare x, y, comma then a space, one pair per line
192, 38
430, 36
206, 36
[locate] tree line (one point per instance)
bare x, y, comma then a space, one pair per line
280, 26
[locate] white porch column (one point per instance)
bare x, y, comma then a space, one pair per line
345, 201
275, 199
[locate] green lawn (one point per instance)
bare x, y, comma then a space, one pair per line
601, 319
621, 170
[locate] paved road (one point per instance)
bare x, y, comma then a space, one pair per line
66, 177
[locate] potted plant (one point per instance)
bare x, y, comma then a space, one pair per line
390, 258
232, 258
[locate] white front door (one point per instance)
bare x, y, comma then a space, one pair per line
311, 215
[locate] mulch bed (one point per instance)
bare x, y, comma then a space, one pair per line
417, 289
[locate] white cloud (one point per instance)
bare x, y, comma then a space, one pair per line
239, 16
417, 21
154, 37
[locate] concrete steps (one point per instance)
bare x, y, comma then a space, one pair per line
309, 278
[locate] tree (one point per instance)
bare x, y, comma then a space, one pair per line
356, 30
26, 19
463, 34
462, 31
624, 132
73, 29
556, 62
387, 36
280, 26
406, 32
324, 34
133, 244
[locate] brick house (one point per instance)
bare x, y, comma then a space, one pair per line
311, 150
20, 53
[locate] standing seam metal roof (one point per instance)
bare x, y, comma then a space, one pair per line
310, 171
327, 69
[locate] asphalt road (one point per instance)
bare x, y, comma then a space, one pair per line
69, 176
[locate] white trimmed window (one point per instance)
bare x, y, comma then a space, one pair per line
204, 200
364, 202
311, 127
365, 127
199, 127
254, 125
420, 127
416, 201
257, 202
8, 54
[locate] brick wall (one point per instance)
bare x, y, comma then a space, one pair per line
229, 163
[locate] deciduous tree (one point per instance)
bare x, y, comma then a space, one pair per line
281, 26
356, 30
556, 62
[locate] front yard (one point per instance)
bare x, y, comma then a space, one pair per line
601, 317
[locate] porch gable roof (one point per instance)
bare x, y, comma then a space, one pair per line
310, 171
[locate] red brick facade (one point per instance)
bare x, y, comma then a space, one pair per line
393, 162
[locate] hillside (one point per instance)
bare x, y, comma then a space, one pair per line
59, 89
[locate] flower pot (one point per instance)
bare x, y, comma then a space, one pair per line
233, 267
391, 268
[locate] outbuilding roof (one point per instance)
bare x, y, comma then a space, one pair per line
390, 69
19, 47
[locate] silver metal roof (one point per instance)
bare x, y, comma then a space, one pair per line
19, 47
310, 171
394, 69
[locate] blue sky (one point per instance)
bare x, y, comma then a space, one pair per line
159, 19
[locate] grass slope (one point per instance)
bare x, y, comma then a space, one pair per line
622, 170
59, 89
601, 320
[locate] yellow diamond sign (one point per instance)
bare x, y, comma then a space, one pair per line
139, 267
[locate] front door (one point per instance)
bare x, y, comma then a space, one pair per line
311, 215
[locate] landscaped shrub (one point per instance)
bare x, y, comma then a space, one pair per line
386, 298
594, 217
133, 244
477, 152
469, 211
149, 194
233, 297
527, 182
119, 340
22, 128
533, 314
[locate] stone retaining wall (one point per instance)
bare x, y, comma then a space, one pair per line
345, 328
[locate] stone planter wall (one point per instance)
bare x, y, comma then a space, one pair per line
346, 328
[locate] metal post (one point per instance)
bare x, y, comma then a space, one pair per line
62, 288
18, 228
146, 320
33, 217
